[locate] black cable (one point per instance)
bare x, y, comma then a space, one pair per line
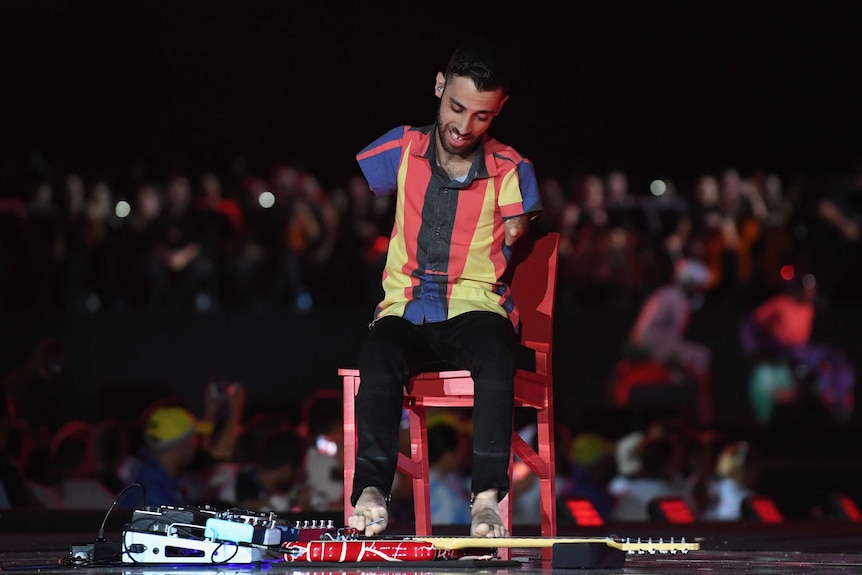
100, 538
220, 546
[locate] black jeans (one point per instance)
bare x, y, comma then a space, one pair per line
484, 343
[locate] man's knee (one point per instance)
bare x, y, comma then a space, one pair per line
495, 337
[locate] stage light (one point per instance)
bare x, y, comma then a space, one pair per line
843, 507
762, 509
671, 510
584, 512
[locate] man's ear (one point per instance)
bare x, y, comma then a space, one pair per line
439, 84
500, 105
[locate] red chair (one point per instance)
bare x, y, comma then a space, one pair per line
532, 275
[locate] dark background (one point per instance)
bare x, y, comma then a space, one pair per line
659, 89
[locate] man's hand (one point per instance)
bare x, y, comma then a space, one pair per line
515, 228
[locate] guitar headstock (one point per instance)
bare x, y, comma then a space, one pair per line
653, 546
313, 530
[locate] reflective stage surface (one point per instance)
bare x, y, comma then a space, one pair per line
811, 548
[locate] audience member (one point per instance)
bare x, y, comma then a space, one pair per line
447, 483
15, 491
366, 221
627, 463
714, 236
592, 469
37, 403
702, 447
112, 451
780, 328
171, 440
669, 221
183, 273
180, 451
526, 487
598, 255
221, 228
270, 480
13, 252
245, 272
777, 243
14, 488
659, 334
138, 242
299, 232
742, 206
92, 253
660, 458
737, 471
837, 236
257, 428
323, 423
42, 264
72, 482
727, 216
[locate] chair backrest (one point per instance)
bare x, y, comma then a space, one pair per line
532, 277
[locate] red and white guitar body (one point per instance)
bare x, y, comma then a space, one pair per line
350, 551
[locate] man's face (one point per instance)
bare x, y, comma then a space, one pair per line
465, 114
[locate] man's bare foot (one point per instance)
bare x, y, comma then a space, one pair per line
486, 521
370, 515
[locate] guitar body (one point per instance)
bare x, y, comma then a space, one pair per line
358, 551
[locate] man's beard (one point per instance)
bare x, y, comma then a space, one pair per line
447, 147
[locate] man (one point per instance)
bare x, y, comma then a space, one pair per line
322, 417
462, 200
778, 333
171, 441
271, 479
180, 452
447, 484
659, 332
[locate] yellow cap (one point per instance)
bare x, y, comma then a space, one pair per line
587, 448
169, 424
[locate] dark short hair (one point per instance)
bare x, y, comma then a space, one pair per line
485, 62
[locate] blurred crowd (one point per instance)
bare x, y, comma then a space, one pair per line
619, 245
284, 241
196, 242
230, 455
237, 239
233, 455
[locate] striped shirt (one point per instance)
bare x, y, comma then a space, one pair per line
447, 251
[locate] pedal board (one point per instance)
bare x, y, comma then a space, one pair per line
205, 535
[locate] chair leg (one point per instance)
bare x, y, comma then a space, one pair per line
351, 384
419, 455
505, 510
547, 485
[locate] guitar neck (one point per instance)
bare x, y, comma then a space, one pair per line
638, 546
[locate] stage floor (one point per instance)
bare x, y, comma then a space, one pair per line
810, 548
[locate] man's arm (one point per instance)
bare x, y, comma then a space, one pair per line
515, 228
830, 213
